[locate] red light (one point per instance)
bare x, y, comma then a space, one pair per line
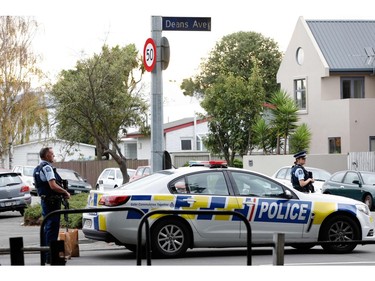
113, 200
25, 188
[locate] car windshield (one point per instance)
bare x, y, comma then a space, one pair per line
28, 171
69, 175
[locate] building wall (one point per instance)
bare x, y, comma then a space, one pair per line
269, 164
173, 138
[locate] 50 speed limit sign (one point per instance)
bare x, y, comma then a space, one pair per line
149, 54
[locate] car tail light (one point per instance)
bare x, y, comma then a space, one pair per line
113, 200
25, 188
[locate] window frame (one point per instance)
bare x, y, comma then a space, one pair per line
302, 102
334, 145
352, 90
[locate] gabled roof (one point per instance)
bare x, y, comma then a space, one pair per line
171, 126
347, 45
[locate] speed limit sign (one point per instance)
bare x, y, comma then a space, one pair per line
149, 54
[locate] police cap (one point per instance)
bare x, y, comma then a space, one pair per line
300, 154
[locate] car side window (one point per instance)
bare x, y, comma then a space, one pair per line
212, 183
254, 185
281, 174
350, 177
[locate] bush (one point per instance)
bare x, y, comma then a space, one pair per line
33, 214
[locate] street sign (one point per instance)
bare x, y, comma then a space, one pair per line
149, 54
186, 24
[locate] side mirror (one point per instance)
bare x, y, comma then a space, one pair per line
288, 194
357, 182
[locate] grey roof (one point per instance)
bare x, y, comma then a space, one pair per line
347, 45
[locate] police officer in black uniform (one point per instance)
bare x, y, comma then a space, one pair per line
49, 186
301, 179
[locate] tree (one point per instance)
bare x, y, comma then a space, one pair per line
300, 139
101, 98
22, 108
232, 104
284, 120
235, 54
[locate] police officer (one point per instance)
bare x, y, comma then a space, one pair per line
49, 187
300, 177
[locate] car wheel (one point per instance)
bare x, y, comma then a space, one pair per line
368, 201
340, 228
170, 238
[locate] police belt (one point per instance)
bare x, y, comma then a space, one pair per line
49, 197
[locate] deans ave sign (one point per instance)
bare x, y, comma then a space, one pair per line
186, 24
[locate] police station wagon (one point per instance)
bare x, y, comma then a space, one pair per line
269, 206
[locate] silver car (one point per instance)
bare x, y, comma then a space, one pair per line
14, 193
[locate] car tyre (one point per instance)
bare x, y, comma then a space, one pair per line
340, 228
367, 199
170, 238
302, 247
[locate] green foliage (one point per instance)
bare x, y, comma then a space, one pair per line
284, 116
236, 53
264, 136
99, 98
22, 108
33, 214
232, 104
300, 139
237, 163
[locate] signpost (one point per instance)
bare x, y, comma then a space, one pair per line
153, 63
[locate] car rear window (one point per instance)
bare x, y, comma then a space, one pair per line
9, 179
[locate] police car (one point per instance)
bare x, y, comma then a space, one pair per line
269, 206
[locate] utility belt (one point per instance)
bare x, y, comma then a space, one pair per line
51, 199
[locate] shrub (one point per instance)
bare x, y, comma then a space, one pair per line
33, 214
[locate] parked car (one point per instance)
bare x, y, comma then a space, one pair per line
320, 176
26, 173
111, 178
14, 193
76, 184
141, 172
267, 204
358, 185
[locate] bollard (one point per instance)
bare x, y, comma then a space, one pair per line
57, 252
16, 251
278, 248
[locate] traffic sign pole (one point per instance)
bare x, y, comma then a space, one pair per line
157, 138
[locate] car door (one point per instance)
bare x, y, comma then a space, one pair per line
109, 182
263, 202
209, 191
350, 186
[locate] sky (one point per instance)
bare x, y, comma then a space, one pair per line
69, 29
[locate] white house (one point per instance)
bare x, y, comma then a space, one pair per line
328, 68
28, 154
184, 135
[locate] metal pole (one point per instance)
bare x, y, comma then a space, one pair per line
16, 252
157, 136
278, 248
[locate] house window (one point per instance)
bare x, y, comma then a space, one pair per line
372, 143
352, 88
186, 144
130, 150
300, 93
334, 145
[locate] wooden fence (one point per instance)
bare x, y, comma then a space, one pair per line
90, 170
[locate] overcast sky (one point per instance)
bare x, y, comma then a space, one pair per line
69, 28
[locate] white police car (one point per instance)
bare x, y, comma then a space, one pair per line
270, 207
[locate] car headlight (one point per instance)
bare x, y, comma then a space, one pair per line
363, 208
